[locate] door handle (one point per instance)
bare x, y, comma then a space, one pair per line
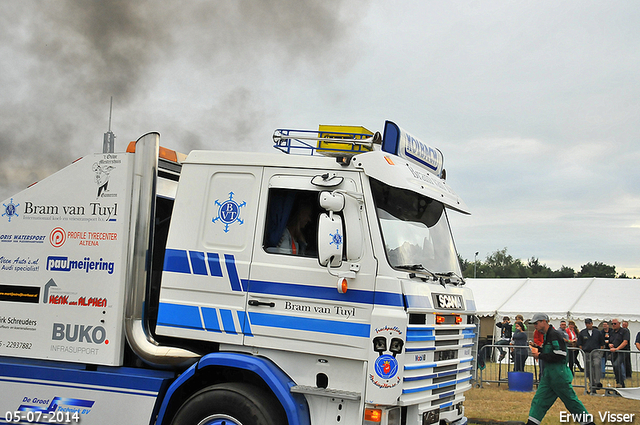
257, 303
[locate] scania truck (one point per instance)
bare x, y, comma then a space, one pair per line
316, 285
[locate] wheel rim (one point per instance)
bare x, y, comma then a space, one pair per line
219, 419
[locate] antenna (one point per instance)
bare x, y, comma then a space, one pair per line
110, 111
109, 141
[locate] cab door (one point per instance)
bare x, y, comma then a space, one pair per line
293, 302
208, 254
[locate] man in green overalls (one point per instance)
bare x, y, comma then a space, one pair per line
556, 379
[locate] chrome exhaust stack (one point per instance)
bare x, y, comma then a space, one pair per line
141, 224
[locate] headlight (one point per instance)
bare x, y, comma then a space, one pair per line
393, 416
431, 417
396, 346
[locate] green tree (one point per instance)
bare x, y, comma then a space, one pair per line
536, 269
502, 264
467, 267
564, 272
464, 266
597, 269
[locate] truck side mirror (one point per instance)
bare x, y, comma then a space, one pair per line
353, 228
350, 208
332, 201
330, 240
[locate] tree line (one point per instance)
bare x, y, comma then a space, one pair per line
504, 265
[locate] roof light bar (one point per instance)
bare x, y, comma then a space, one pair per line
325, 141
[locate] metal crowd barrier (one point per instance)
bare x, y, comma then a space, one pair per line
614, 369
496, 372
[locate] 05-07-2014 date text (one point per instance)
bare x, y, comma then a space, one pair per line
42, 417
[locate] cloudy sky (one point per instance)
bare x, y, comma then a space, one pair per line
535, 105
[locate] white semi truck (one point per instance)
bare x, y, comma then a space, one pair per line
150, 287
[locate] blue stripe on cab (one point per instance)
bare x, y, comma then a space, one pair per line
244, 323
197, 263
419, 332
176, 260
388, 298
418, 301
214, 264
230, 262
308, 324
227, 321
180, 316
210, 317
324, 293
420, 338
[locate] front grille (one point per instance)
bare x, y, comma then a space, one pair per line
430, 373
443, 400
446, 343
445, 378
442, 332
445, 368
443, 389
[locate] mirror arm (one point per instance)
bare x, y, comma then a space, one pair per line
355, 195
329, 268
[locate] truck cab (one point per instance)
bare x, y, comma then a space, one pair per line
316, 286
341, 270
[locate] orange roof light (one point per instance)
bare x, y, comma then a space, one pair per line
164, 153
168, 154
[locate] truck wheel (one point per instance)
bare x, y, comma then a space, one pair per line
232, 403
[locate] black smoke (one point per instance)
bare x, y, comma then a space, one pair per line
66, 58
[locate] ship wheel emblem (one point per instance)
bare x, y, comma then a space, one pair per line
336, 239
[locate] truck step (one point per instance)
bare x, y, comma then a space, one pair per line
325, 392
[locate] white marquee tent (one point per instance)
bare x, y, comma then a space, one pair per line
562, 298
573, 298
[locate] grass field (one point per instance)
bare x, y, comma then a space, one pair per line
497, 403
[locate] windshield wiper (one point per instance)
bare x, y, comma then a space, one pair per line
451, 274
418, 267
411, 267
442, 277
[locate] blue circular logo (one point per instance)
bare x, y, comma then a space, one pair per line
386, 366
10, 210
229, 212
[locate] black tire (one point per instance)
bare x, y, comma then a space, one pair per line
233, 403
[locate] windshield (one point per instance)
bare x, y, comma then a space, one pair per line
415, 230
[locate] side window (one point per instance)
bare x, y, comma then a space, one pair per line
292, 222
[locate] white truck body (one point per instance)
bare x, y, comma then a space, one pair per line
126, 287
